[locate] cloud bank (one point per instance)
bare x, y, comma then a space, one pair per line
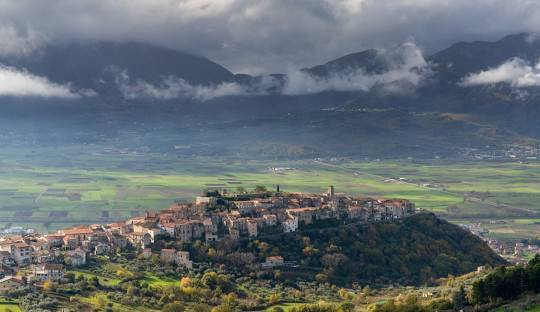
516, 72
17, 83
267, 36
171, 88
407, 69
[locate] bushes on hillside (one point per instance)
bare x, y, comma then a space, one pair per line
416, 250
508, 283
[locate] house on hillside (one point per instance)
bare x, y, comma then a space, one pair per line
75, 257
168, 255
9, 283
182, 260
140, 239
20, 251
47, 272
273, 261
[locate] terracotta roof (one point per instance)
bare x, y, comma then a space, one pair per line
70, 237
77, 231
21, 245
54, 236
116, 225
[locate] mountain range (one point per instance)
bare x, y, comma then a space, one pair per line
375, 103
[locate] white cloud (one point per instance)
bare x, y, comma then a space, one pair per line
515, 72
407, 68
173, 88
23, 84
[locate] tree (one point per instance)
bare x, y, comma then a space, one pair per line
109, 307
459, 299
260, 189
274, 298
173, 307
211, 193
344, 294
94, 281
321, 278
241, 190
48, 286
334, 261
101, 302
346, 307
228, 304
210, 279
70, 277
201, 307
185, 282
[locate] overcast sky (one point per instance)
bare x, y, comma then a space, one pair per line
264, 36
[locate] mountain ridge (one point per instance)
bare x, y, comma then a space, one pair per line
380, 121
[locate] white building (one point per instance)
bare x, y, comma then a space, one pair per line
48, 272
203, 200
20, 251
182, 259
290, 225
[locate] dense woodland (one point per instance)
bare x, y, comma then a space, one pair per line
416, 250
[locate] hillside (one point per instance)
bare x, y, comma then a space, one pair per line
415, 251
462, 58
95, 65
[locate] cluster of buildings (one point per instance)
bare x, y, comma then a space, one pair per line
209, 219
507, 152
515, 252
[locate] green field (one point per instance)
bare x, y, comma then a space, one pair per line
90, 184
4, 307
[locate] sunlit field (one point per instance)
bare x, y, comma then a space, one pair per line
91, 184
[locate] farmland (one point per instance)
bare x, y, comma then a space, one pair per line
90, 184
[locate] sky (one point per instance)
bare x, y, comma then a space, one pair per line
264, 36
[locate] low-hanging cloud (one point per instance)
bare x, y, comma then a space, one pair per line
407, 68
17, 83
516, 72
174, 88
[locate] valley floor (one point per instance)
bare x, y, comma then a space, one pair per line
94, 184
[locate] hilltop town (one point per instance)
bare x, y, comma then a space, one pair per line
209, 218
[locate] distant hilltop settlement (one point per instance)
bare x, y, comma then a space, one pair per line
210, 218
